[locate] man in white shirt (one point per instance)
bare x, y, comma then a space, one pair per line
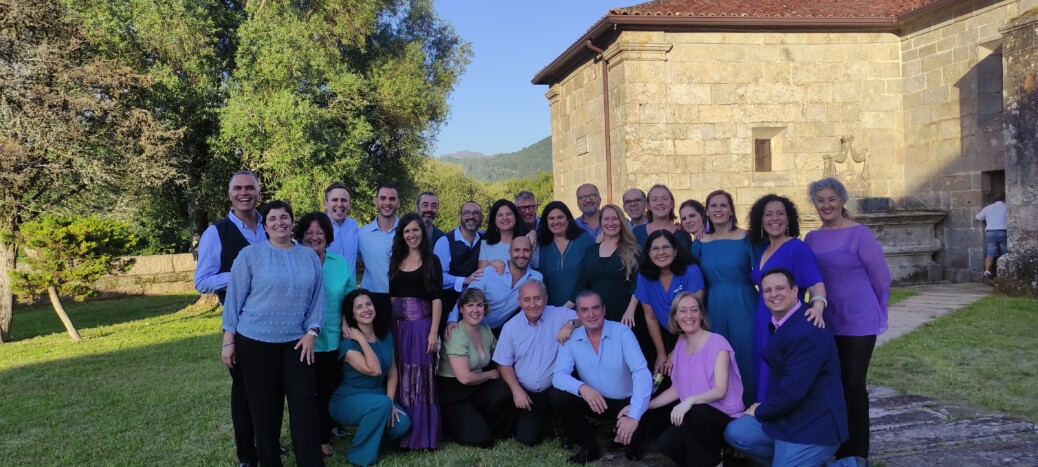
995, 245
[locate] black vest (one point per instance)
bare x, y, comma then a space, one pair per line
231, 243
463, 258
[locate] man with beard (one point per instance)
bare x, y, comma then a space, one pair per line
458, 251
525, 356
428, 206
217, 249
345, 230
589, 201
502, 290
375, 244
527, 204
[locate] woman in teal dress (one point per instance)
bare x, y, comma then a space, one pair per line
726, 259
369, 380
315, 231
561, 247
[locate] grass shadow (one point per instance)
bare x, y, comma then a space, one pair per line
39, 319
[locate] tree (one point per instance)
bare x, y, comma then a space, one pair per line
332, 90
65, 257
71, 123
453, 189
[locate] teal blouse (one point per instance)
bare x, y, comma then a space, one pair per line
355, 382
339, 280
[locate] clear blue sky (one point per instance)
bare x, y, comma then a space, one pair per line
494, 108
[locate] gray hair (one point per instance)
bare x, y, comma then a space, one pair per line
539, 284
243, 172
418, 200
524, 195
829, 182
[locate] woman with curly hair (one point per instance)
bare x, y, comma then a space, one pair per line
774, 228
415, 284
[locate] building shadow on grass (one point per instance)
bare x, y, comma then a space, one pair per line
40, 319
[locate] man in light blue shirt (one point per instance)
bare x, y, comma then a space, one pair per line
502, 290
614, 381
589, 201
345, 230
525, 355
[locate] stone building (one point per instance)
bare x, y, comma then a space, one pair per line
900, 99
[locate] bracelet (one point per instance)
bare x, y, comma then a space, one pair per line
822, 299
229, 343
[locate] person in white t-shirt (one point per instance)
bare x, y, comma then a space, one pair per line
994, 217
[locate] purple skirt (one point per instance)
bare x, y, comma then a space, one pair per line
416, 392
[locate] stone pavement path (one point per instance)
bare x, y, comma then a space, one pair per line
914, 431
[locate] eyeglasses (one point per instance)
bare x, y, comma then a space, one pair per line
587, 196
628, 202
471, 213
530, 208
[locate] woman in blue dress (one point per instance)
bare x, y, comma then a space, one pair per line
562, 244
666, 270
774, 228
366, 397
726, 258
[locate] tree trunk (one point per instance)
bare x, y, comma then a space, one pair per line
8, 256
55, 301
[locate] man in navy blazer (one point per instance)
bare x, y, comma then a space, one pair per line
803, 418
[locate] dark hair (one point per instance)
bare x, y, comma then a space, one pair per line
335, 186
462, 207
418, 200
381, 325
276, 204
431, 273
672, 216
733, 222
757, 234
588, 293
472, 294
387, 185
694, 205
682, 257
544, 235
493, 235
785, 272
304, 224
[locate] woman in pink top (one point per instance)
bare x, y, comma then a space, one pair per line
707, 384
857, 280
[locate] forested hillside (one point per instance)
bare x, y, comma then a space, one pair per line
524, 163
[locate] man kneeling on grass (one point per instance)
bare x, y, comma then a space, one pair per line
802, 419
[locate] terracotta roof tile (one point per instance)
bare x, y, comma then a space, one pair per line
775, 8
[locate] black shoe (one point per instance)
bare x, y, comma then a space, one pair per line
633, 453
584, 456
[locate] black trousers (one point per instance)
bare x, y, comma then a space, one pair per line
383, 309
576, 412
328, 375
855, 355
241, 419
475, 415
272, 373
698, 441
530, 424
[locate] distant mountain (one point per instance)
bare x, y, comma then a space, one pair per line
527, 162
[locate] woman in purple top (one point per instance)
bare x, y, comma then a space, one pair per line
707, 384
666, 270
415, 283
774, 228
852, 264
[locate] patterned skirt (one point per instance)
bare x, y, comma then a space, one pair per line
416, 391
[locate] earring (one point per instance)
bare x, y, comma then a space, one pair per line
708, 229
731, 223
787, 230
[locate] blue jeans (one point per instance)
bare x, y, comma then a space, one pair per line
995, 243
746, 434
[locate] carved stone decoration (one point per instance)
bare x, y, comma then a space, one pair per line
858, 182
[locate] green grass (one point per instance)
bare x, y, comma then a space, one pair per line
982, 355
146, 387
896, 295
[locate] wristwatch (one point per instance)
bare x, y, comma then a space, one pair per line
313, 332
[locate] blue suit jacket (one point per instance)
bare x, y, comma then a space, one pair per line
804, 402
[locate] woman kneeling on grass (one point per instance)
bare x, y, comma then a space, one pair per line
706, 381
369, 380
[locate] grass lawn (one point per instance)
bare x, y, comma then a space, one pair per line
982, 355
146, 387
896, 295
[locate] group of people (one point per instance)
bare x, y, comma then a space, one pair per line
672, 323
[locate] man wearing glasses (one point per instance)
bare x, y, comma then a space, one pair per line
527, 204
458, 251
634, 206
589, 201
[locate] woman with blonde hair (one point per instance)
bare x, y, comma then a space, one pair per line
611, 266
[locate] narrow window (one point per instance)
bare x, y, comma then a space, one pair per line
762, 155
